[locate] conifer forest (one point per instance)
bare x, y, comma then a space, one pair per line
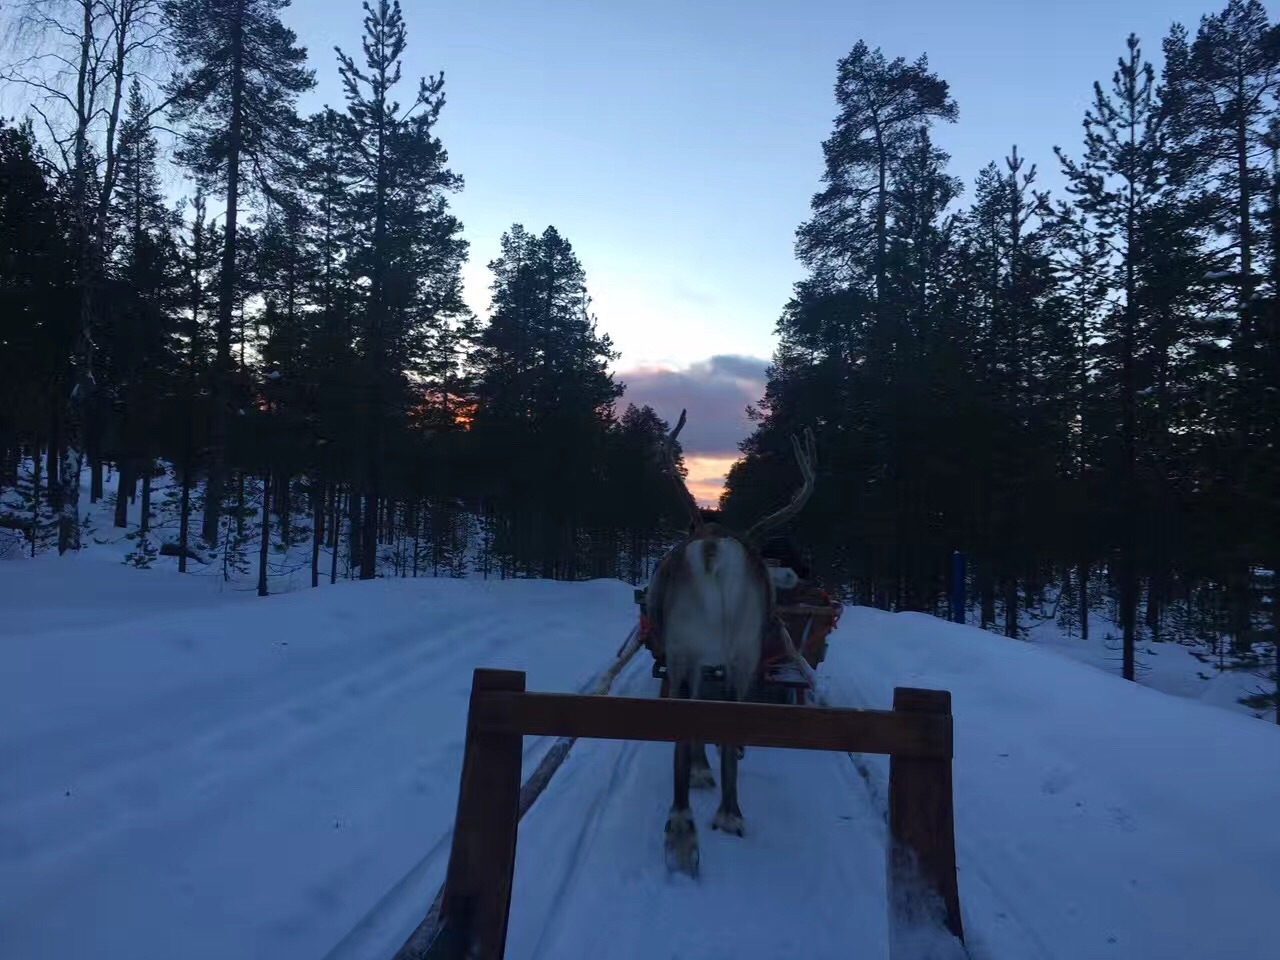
1078, 390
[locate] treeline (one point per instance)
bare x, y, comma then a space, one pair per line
292, 337
1081, 392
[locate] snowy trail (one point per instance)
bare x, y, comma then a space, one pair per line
230, 777
807, 879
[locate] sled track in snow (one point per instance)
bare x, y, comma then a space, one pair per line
587, 881
354, 944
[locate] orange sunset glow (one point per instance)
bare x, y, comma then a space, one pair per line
706, 477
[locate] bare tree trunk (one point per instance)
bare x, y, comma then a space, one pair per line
35, 498
1011, 608
95, 470
53, 459
357, 528
987, 590
1153, 606
227, 287
417, 529
1083, 575
369, 538
184, 509
333, 526
317, 532
283, 506
123, 485
146, 496
266, 531
335, 498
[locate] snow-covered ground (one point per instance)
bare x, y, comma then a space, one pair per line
1169, 667
213, 774
227, 776
1094, 817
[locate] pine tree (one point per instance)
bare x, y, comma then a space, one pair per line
141, 350
1222, 86
882, 105
1123, 175
242, 70
544, 394
407, 248
38, 300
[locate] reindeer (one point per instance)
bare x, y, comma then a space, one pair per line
711, 600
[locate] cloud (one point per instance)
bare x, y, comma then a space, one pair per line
716, 393
706, 477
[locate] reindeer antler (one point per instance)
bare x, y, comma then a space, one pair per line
807, 457
669, 451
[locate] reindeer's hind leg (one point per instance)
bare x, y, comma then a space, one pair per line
700, 777
681, 836
729, 816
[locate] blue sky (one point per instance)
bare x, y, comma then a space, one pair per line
677, 144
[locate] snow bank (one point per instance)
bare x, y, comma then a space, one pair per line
228, 776
1094, 817
1167, 666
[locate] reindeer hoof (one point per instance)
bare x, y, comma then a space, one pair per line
701, 778
728, 822
681, 843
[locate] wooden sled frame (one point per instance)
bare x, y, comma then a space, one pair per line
916, 734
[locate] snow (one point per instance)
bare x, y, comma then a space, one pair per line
1094, 817
808, 879
1166, 666
246, 777
194, 769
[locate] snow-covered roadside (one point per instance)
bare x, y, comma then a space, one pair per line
1094, 817
242, 777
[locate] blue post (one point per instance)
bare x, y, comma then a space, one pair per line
957, 586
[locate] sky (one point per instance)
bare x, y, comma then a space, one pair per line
677, 144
